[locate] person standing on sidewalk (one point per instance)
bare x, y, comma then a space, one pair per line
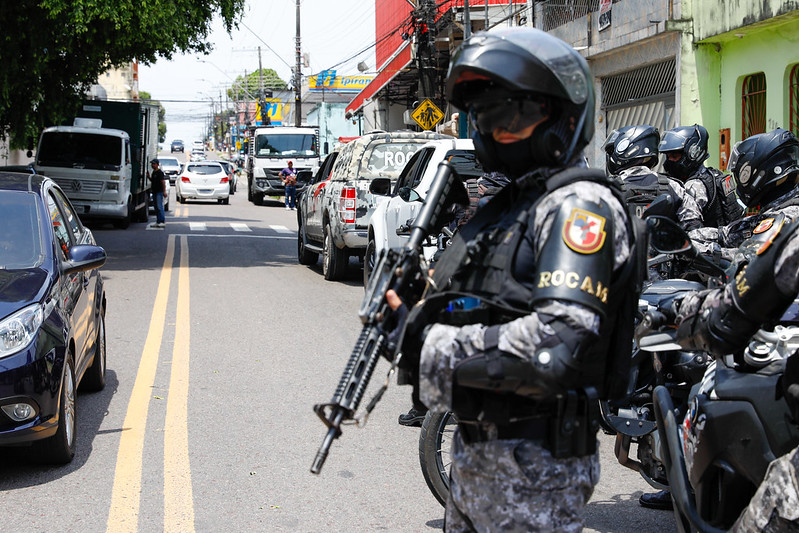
157, 178
289, 177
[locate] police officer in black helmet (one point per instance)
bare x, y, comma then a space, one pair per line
553, 261
722, 321
685, 148
631, 154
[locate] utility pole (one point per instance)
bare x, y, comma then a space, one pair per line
425, 43
298, 76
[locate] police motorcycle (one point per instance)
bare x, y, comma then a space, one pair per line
632, 419
716, 451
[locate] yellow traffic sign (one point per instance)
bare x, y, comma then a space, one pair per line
427, 114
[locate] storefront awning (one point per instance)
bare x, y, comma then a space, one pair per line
392, 67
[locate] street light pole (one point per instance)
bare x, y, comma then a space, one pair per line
298, 76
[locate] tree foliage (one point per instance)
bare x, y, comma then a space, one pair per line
53, 50
247, 87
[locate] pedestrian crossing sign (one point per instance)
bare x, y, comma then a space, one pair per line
427, 114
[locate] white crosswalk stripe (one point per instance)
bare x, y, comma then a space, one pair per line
197, 226
239, 226
281, 229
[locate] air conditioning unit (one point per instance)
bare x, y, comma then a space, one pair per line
407, 119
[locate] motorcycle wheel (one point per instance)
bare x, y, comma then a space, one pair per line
435, 443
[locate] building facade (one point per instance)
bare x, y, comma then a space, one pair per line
728, 65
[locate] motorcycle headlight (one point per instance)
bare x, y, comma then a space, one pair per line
18, 330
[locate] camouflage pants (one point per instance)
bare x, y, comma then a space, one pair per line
516, 485
775, 506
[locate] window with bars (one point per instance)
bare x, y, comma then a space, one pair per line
753, 105
559, 12
793, 90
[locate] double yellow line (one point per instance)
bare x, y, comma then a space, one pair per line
126, 495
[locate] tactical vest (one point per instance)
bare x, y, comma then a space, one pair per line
639, 189
722, 207
468, 269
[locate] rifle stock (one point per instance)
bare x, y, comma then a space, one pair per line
397, 270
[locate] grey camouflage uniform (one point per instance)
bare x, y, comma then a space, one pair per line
725, 240
775, 506
516, 485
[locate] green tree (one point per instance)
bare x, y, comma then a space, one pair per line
143, 95
247, 87
53, 50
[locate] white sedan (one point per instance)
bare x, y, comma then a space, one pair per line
203, 180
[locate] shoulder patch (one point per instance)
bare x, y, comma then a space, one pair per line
584, 231
764, 225
727, 184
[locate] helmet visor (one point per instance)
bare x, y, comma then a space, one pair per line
511, 114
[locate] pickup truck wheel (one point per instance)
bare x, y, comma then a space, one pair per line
369, 260
305, 256
258, 198
334, 259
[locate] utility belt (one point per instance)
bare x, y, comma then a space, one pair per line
566, 427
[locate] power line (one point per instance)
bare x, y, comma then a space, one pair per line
267, 46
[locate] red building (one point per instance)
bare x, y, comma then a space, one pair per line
412, 49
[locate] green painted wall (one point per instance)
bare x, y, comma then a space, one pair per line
722, 42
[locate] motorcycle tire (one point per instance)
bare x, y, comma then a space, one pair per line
435, 443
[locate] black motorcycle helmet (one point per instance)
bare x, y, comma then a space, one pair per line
691, 142
542, 75
632, 146
766, 166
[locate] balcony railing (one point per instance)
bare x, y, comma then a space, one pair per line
558, 12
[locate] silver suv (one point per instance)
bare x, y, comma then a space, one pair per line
334, 211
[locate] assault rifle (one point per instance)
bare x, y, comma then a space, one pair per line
399, 269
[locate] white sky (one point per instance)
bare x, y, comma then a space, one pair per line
331, 31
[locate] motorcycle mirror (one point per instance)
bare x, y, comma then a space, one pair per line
658, 342
666, 237
663, 205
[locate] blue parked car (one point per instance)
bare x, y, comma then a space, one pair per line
52, 316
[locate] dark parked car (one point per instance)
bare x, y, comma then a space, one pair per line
52, 316
176, 146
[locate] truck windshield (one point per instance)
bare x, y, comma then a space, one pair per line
286, 145
80, 150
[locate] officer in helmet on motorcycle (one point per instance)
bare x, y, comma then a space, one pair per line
722, 321
685, 148
553, 261
631, 153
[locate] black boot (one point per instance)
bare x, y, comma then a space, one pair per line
657, 500
412, 418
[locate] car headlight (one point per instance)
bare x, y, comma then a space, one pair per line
18, 330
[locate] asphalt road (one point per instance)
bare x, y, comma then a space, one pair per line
219, 343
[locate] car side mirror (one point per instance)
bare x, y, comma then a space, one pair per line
83, 257
409, 195
381, 186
